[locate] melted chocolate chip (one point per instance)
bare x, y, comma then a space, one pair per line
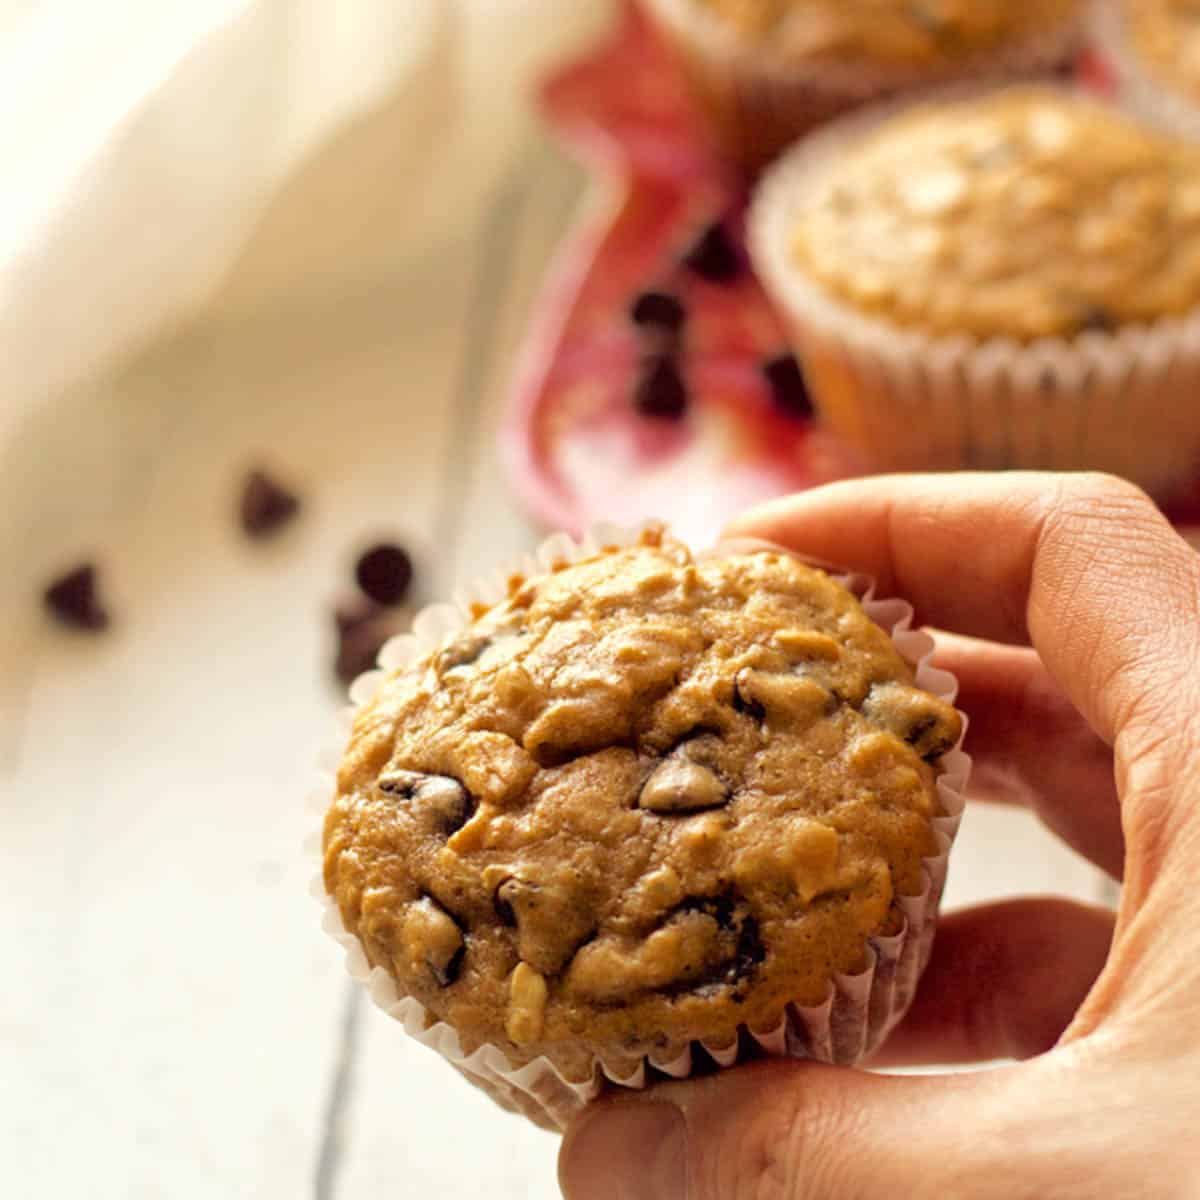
266, 506
658, 311
502, 903
731, 914
441, 802
661, 392
748, 706
384, 572
1095, 318
788, 388
72, 600
449, 973
463, 652
713, 256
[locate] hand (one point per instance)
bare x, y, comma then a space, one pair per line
1086, 678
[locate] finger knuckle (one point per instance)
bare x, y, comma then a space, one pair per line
1090, 489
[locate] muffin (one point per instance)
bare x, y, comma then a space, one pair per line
1154, 48
646, 803
1001, 280
764, 72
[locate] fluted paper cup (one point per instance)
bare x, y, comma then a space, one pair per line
857, 1014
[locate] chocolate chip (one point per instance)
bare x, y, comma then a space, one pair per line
1095, 318
72, 599
660, 392
713, 256
751, 949
384, 573
362, 633
502, 903
442, 803
732, 915
658, 311
430, 935
746, 704
681, 786
462, 652
929, 725
353, 610
266, 506
788, 388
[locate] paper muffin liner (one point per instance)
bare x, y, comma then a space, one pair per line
859, 1011
1139, 89
1120, 401
758, 103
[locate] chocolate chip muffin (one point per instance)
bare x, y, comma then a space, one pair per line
647, 801
767, 71
995, 280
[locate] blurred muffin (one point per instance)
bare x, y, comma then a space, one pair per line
767, 71
1003, 280
1154, 48
646, 802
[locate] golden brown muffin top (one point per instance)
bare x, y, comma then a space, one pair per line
1027, 213
892, 33
647, 799
1166, 37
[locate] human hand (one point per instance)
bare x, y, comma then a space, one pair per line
1080, 667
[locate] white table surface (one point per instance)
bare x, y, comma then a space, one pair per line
172, 1021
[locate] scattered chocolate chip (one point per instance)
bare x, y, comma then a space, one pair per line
788, 388
266, 506
361, 637
353, 610
384, 573
658, 311
660, 392
713, 256
73, 600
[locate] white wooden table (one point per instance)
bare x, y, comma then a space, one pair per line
172, 1021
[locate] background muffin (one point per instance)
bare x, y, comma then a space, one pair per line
999, 280
767, 71
1154, 47
647, 802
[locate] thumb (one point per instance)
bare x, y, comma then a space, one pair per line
798, 1131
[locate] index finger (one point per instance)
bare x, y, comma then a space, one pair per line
1084, 567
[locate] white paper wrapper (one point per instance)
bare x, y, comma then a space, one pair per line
859, 1011
759, 101
1138, 88
1122, 402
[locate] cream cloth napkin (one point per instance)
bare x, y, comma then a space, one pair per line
145, 142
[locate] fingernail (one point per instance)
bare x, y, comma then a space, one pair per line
636, 1150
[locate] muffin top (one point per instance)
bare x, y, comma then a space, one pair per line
891, 33
1166, 36
645, 800
1026, 213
